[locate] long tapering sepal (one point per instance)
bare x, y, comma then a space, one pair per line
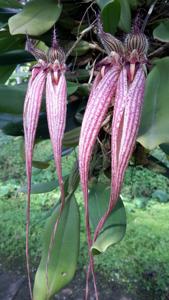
126, 119
30, 121
131, 123
96, 110
56, 104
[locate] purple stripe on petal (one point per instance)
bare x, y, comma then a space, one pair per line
56, 106
92, 121
94, 86
132, 117
123, 141
118, 114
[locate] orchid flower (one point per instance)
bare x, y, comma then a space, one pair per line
127, 113
121, 76
49, 71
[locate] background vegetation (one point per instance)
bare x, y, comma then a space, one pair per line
139, 262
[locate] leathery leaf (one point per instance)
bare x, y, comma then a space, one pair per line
37, 17
161, 32
110, 10
71, 138
5, 73
155, 122
42, 187
10, 4
115, 227
64, 253
125, 16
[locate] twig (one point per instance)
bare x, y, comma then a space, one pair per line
92, 72
86, 30
159, 50
97, 47
80, 24
148, 15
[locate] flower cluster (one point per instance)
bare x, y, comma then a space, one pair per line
121, 82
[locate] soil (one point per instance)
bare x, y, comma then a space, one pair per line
13, 286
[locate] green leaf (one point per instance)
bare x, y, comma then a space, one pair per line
134, 3
15, 57
81, 48
5, 72
64, 253
125, 16
68, 23
42, 187
102, 3
10, 4
72, 87
40, 164
161, 32
8, 42
155, 121
165, 148
71, 138
115, 227
14, 126
12, 98
37, 17
84, 89
3, 20
80, 74
110, 14
76, 31
39, 188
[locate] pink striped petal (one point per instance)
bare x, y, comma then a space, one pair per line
56, 97
31, 112
56, 106
93, 118
126, 119
131, 123
35, 71
94, 115
30, 117
118, 115
94, 86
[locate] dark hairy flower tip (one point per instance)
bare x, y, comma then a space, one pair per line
31, 47
109, 42
55, 53
136, 47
